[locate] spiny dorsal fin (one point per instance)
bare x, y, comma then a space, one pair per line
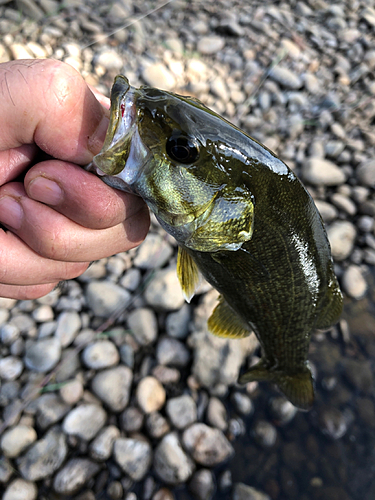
188, 274
224, 322
298, 387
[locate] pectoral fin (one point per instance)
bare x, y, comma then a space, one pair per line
298, 387
188, 274
224, 322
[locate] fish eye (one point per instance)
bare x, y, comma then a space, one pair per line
182, 148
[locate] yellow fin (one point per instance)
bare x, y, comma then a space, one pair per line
188, 274
224, 322
298, 387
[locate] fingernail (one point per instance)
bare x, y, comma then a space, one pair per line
11, 213
45, 190
95, 142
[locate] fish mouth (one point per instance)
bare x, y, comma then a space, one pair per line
120, 161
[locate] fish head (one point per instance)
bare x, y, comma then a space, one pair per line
180, 158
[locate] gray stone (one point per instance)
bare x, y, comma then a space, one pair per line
11, 368
344, 203
143, 324
333, 423
366, 173
359, 374
282, 410
85, 421
157, 426
171, 463
112, 386
50, 409
131, 419
101, 447
6, 470
208, 447
210, 45
341, 235
177, 323
71, 392
243, 403
44, 457
181, 411
30, 9
353, 282
217, 414
75, 474
153, 253
42, 355
150, 394
101, 354
264, 433
202, 484
68, 325
157, 75
110, 60
134, 456
245, 492
171, 351
8, 332
15, 440
131, 279
318, 171
43, 313
286, 77
19, 489
164, 291
105, 298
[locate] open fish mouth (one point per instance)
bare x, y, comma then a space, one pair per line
123, 155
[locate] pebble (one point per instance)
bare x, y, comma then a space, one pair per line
19, 489
171, 351
85, 421
105, 298
217, 414
143, 325
264, 433
341, 235
42, 355
15, 440
318, 171
164, 291
332, 423
101, 354
153, 253
245, 492
365, 173
177, 323
131, 419
282, 410
110, 60
112, 386
181, 411
208, 447
353, 282
202, 484
68, 325
11, 368
43, 313
44, 457
171, 463
243, 403
157, 75
286, 77
74, 475
101, 447
344, 203
210, 45
50, 409
71, 392
134, 456
157, 426
150, 395
359, 374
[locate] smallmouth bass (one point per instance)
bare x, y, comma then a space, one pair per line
241, 218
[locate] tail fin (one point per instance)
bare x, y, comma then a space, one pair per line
298, 387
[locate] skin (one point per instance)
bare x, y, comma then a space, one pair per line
56, 218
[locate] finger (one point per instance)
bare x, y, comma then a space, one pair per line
20, 265
54, 236
28, 292
14, 161
80, 195
48, 102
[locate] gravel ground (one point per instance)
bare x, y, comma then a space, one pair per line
111, 387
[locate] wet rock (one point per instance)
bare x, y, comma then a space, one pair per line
19, 489
217, 414
85, 421
341, 235
157, 75
171, 463
181, 411
172, 352
143, 324
75, 474
68, 325
210, 45
264, 433
134, 456
101, 447
44, 457
11, 368
42, 355
202, 484
245, 492
353, 282
112, 386
15, 440
207, 446
101, 354
318, 171
150, 395
164, 291
104, 298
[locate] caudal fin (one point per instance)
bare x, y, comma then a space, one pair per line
298, 387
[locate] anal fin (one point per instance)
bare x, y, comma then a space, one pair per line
188, 274
224, 322
297, 387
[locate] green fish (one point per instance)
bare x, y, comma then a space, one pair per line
241, 218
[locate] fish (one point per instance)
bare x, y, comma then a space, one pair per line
242, 220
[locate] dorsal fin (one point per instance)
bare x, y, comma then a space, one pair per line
188, 274
224, 322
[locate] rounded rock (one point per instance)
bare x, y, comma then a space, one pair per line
101, 447
157, 75
105, 298
134, 456
85, 421
265, 433
112, 386
202, 484
171, 351
171, 463
320, 172
207, 446
75, 474
11, 368
43, 355
341, 235
181, 411
164, 291
217, 414
19, 489
286, 78
143, 324
210, 45
150, 395
353, 282
245, 492
101, 354
68, 325
366, 173
15, 440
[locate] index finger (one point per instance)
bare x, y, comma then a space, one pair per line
47, 102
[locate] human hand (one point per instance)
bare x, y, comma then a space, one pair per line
59, 217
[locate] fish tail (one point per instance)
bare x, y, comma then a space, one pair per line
297, 387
